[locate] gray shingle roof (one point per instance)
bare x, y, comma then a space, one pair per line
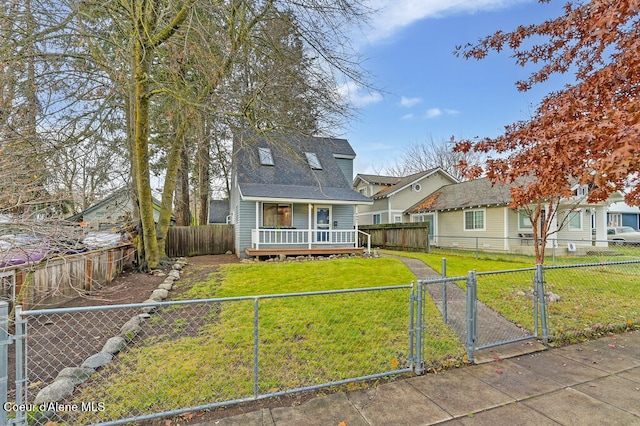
474, 193
291, 177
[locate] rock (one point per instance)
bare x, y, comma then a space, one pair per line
131, 328
159, 293
76, 375
228, 252
56, 391
166, 286
98, 360
149, 309
177, 266
144, 316
175, 274
114, 345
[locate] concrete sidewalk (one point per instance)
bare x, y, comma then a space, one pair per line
593, 383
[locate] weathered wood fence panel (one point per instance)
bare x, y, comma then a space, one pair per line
55, 280
199, 240
397, 236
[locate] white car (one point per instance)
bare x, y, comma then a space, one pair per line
623, 235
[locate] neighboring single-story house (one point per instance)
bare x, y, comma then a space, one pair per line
622, 214
392, 196
293, 195
477, 212
113, 211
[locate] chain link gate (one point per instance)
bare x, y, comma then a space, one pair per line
477, 325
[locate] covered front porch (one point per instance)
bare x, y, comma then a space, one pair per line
312, 241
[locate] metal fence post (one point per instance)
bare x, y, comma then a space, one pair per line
256, 341
20, 339
471, 314
4, 343
444, 291
414, 340
542, 303
419, 367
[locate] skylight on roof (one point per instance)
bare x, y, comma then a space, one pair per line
266, 158
312, 158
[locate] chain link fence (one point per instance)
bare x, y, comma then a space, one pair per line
589, 300
558, 250
127, 363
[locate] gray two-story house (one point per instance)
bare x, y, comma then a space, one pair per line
293, 195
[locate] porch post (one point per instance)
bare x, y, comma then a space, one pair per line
310, 221
257, 225
355, 217
601, 226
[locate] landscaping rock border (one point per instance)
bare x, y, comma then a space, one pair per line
69, 377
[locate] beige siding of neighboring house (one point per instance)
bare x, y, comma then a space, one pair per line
582, 236
451, 232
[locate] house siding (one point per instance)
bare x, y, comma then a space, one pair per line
245, 222
346, 166
451, 231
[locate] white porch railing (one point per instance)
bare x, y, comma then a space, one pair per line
309, 237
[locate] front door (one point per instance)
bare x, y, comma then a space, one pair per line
322, 223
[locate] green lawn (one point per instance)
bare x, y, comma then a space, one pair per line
302, 340
593, 300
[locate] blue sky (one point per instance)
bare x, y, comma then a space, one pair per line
424, 91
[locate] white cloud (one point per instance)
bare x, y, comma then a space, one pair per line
409, 102
437, 112
407, 117
357, 95
394, 15
433, 113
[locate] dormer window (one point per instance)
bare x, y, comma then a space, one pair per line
582, 191
312, 158
266, 158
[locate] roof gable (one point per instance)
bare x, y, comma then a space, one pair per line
405, 182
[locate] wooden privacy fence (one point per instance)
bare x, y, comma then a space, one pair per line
55, 280
397, 236
199, 240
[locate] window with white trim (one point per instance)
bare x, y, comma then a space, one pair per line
575, 220
275, 215
615, 219
377, 219
397, 218
524, 221
474, 220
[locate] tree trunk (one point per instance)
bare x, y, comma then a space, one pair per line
173, 164
182, 210
204, 178
141, 151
